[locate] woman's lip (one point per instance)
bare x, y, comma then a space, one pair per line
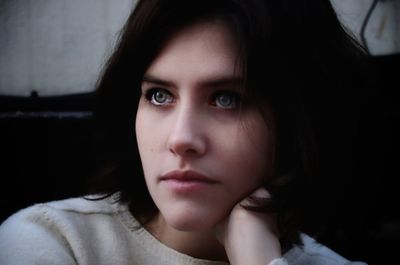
187, 183
186, 176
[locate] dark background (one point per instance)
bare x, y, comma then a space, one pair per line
47, 153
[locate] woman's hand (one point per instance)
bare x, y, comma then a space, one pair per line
249, 237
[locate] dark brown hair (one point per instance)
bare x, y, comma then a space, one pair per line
287, 47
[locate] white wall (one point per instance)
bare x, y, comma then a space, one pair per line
59, 46
383, 29
56, 46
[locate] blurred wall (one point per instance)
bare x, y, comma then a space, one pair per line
383, 29
56, 46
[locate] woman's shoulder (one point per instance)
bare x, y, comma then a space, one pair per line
314, 253
79, 206
49, 231
91, 204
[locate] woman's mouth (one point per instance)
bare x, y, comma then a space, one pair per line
186, 181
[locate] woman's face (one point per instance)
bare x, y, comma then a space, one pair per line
201, 152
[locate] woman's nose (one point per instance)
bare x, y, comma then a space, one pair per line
187, 138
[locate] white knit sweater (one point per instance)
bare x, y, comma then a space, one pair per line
79, 231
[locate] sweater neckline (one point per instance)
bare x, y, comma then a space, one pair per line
153, 245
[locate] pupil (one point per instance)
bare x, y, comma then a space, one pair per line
225, 100
160, 97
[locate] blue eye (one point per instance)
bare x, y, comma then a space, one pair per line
227, 100
159, 96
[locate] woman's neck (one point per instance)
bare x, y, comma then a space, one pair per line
197, 244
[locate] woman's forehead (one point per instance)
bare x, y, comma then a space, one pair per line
205, 51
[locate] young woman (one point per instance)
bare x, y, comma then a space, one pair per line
207, 153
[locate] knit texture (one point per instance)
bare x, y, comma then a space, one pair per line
83, 232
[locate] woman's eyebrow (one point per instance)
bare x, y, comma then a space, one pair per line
157, 81
217, 81
222, 81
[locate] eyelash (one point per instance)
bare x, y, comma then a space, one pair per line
151, 93
235, 98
